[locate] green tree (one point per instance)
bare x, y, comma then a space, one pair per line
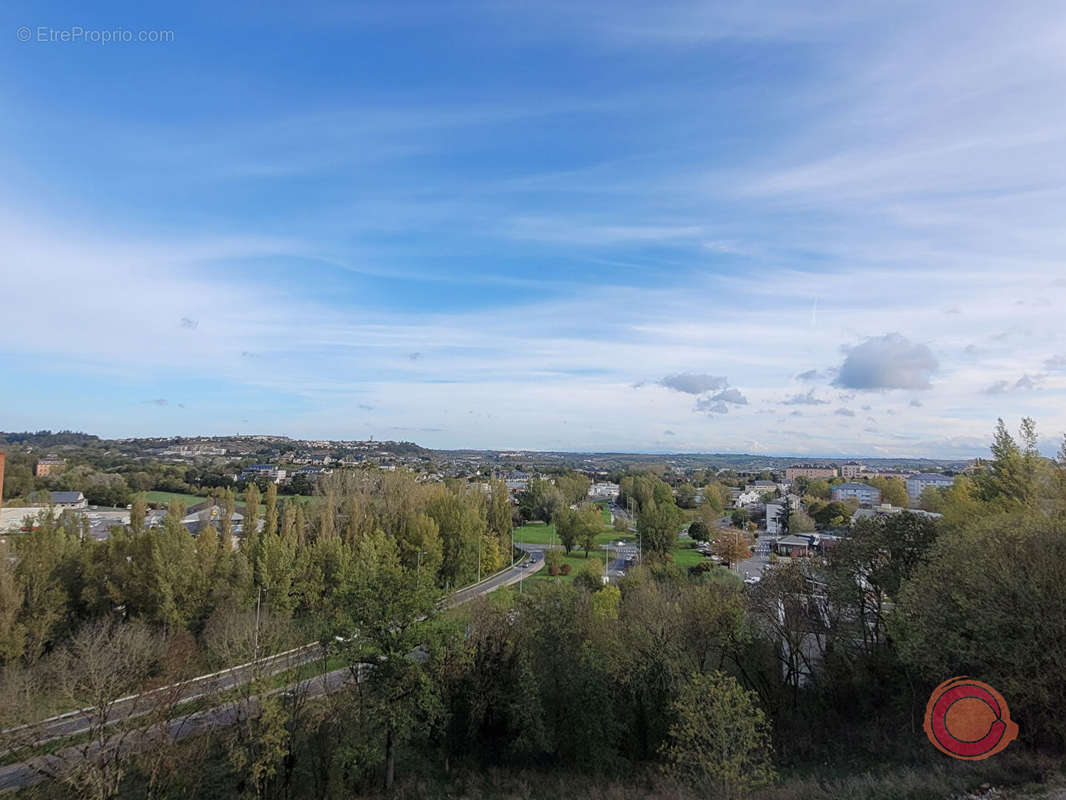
12, 632
574, 487
566, 527
720, 736
687, 496
931, 499
589, 523
800, 522
252, 533
658, 525
270, 516
699, 532
893, 490
385, 614
814, 487
499, 510
784, 518
987, 601
716, 497
1008, 479
590, 576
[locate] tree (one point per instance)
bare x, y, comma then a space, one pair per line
731, 547
1007, 481
574, 486
589, 523
716, 497
255, 741
834, 513
251, 518
658, 525
589, 577
566, 525
987, 601
499, 509
931, 499
739, 517
103, 662
720, 736
799, 522
270, 516
540, 500
699, 532
385, 612
813, 487
12, 632
893, 490
784, 517
687, 496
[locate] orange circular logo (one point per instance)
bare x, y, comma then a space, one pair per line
968, 719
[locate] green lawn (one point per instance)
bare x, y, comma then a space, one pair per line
576, 560
539, 533
167, 497
685, 555
193, 499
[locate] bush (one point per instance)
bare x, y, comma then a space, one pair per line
590, 576
565, 569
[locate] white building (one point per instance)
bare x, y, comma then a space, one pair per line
866, 494
919, 482
851, 470
747, 498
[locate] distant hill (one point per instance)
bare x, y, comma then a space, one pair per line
49, 439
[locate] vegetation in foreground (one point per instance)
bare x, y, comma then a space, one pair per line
674, 682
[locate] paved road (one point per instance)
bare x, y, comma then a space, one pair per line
17, 776
534, 563
74, 722
753, 567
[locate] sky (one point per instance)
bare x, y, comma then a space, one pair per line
822, 229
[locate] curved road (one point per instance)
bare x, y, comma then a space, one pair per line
21, 775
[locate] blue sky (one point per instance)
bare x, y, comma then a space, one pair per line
824, 229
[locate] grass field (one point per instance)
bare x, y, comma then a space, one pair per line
686, 555
576, 560
193, 499
167, 497
542, 533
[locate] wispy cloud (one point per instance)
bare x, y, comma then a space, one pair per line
807, 398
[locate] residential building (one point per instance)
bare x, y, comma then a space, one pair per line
267, 470
866, 494
603, 489
919, 482
809, 471
747, 498
762, 487
48, 465
851, 470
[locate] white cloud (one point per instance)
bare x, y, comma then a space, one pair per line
887, 362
